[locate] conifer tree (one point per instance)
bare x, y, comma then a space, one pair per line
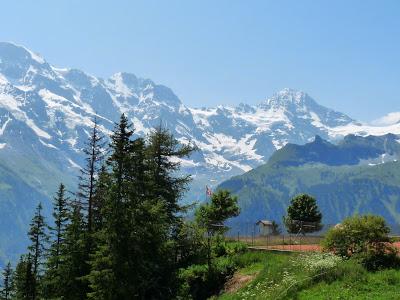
60, 215
6, 292
139, 214
38, 236
94, 152
24, 280
166, 188
99, 196
110, 271
163, 151
73, 256
52, 280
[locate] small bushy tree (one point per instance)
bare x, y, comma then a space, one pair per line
358, 235
275, 228
211, 216
303, 215
365, 238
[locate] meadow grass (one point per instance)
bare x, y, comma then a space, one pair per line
311, 276
384, 284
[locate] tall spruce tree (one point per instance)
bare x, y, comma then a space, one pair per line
166, 187
73, 256
140, 212
6, 292
109, 278
24, 279
94, 152
163, 151
99, 196
52, 281
60, 215
38, 236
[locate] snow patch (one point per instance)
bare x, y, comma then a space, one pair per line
3, 80
56, 103
12, 105
47, 145
73, 164
3, 127
390, 119
120, 87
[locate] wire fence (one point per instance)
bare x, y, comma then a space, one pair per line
253, 234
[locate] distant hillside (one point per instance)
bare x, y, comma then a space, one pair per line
359, 175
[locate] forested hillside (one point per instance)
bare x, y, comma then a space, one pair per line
359, 175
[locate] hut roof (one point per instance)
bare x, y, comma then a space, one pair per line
264, 222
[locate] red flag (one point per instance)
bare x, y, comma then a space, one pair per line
208, 191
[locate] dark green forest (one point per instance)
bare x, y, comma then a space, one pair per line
124, 234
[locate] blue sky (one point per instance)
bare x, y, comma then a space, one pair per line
346, 54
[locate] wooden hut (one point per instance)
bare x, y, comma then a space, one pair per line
265, 227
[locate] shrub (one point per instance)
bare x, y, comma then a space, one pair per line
223, 248
373, 260
365, 237
199, 282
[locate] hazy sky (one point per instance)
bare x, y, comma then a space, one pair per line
346, 54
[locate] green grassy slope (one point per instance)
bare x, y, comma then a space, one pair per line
314, 276
340, 190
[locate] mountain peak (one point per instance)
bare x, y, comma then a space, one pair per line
318, 139
288, 97
290, 92
13, 50
18, 63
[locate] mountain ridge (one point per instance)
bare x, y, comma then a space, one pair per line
359, 175
46, 113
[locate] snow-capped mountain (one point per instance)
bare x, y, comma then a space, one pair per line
44, 109
46, 113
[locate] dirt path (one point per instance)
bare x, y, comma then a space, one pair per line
295, 248
237, 282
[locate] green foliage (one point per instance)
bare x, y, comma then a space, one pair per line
52, 281
73, 255
355, 283
365, 237
275, 228
310, 276
141, 233
7, 289
225, 248
200, 282
303, 215
94, 151
24, 279
212, 216
125, 236
374, 260
38, 237
341, 191
190, 245
357, 234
